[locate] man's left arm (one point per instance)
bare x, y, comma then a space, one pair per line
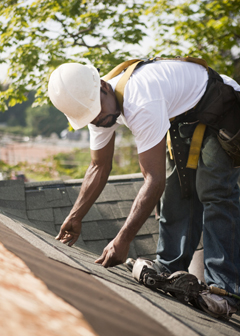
153, 167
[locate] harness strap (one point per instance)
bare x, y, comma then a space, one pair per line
169, 145
195, 147
180, 155
119, 68
119, 90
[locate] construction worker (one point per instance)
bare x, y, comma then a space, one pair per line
154, 94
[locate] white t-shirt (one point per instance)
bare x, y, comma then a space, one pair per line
155, 93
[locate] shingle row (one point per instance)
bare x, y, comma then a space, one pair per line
47, 205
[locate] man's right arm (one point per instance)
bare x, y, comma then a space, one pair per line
94, 181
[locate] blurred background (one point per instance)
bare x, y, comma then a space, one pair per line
36, 142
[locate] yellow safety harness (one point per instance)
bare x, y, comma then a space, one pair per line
130, 66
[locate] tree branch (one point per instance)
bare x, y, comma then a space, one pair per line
84, 44
81, 32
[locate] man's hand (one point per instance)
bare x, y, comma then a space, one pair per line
70, 231
115, 253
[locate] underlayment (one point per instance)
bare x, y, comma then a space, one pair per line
35, 212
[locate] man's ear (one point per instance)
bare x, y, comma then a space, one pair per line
104, 86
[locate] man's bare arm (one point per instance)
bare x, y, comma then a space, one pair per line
152, 163
94, 181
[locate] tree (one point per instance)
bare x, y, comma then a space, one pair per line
16, 115
206, 28
45, 120
22, 119
37, 36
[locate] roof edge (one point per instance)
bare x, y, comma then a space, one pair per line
70, 182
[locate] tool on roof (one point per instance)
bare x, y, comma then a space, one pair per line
184, 286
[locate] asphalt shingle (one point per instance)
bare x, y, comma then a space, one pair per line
73, 193
93, 214
37, 199
16, 205
45, 226
110, 193
126, 191
152, 225
117, 213
45, 215
155, 237
65, 211
132, 251
143, 230
12, 190
125, 207
137, 185
101, 198
58, 216
110, 228
91, 231
105, 211
96, 246
21, 213
104, 221
144, 245
54, 194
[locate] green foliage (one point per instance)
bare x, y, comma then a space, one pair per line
5, 169
45, 120
15, 115
39, 35
206, 28
125, 161
22, 119
44, 171
16, 130
73, 165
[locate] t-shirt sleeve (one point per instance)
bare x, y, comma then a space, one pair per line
150, 124
100, 136
229, 81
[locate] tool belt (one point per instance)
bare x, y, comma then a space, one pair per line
220, 110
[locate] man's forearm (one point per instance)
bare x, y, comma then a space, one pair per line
94, 181
117, 250
152, 163
142, 207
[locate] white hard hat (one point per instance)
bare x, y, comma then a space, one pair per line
74, 89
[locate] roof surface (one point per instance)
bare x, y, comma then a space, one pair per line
32, 214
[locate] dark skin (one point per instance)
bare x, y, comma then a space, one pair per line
109, 107
152, 164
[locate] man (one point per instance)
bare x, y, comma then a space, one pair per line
153, 95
